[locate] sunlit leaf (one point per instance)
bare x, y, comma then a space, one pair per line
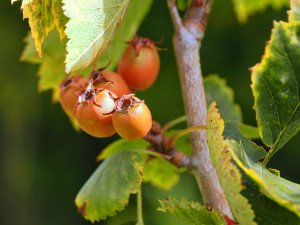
90, 28
108, 189
245, 8
192, 212
59, 18
229, 175
43, 16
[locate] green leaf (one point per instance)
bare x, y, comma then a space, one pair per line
60, 20
275, 84
161, 174
51, 70
108, 189
43, 16
182, 4
249, 131
133, 18
282, 191
228, 173
29, 53
266, 210
121, 145
90, 29
217, 90
232, 131
245, 8
191, 211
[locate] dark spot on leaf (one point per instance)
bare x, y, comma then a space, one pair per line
82, 209
208, 208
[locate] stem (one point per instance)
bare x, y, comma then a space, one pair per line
185, 132
268, 157
140, 208
187, 38
173, 123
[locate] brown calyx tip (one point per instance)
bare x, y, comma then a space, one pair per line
124, 103
71, 82
139, 42
156, 128
66, 82
98, 77
89, 94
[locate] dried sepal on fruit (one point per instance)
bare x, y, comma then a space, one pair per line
140, 63
110, 80
92, 111
131, 117
70, 88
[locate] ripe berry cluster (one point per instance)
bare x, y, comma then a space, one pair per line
104, 104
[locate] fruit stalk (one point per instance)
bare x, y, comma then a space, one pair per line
189, 33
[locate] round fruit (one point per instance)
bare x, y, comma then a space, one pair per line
132, 119
70, 88
92, 112
111, 81
139, 65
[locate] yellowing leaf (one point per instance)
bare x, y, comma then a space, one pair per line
90, 29
59, 18
51, 70
40, 20
228, 173
43, 16
245, 8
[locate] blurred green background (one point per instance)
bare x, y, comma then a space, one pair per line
44, 161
